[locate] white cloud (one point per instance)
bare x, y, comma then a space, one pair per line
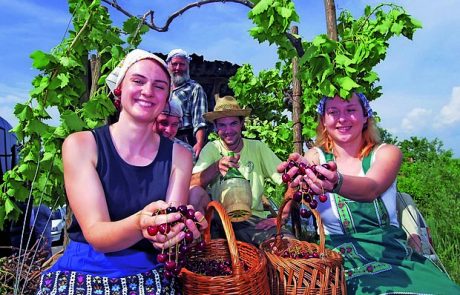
10, 96
6, 112
450, 113
416, 120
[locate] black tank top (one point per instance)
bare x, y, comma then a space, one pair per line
128, 188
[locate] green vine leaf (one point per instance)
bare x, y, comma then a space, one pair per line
72, 121
260, 7
41, 60
9, 206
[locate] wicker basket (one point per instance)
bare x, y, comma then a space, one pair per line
253, 280
323, 275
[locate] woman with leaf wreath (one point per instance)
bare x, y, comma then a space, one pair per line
359, 215
119, 180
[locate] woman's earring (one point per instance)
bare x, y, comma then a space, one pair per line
117, 103
117, 92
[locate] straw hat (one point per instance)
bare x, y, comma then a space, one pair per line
226, 106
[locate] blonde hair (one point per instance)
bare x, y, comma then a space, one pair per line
371, 137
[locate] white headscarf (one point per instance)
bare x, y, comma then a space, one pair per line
114, 79
178, 52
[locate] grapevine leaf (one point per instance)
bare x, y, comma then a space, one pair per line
64, 78
40, 59
9, 206
260, 7
343, 60
285, 12
72, 121
37, 126
130, 25
23, 112
346, 83
397, 28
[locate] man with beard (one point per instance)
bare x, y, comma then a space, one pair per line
253, 159
193, 100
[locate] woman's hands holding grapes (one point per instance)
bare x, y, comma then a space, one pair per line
322, 177
166, 226
300, 174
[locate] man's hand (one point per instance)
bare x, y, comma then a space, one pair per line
226, 162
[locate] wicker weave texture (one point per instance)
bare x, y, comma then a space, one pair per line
323, 275
250, 280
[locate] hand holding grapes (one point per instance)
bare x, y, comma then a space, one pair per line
299, 173
309, 182
322, 178
290, 171
171, 230
174, 236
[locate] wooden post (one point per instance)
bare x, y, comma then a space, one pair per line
331, 19
297, 126
296, 102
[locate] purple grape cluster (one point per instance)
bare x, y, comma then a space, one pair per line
174, 258
304, 194
299, 254
212, 267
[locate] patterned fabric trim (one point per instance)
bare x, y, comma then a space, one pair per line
381, 212
74, 283
371, 268
346, 218
348, 250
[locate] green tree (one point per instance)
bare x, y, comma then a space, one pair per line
430, 175
326, 66
62, 83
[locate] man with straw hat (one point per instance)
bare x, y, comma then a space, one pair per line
253, 159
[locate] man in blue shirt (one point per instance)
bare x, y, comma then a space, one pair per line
192, 97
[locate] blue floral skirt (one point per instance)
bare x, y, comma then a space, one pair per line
82, 270
74, 283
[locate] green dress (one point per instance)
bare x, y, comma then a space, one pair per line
377, 259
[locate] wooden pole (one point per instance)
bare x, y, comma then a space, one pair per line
331, 19
297, 126
296, 102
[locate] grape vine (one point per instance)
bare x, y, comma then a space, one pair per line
63, 84
326, 67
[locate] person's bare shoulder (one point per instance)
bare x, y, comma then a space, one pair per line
388, 152
79, 145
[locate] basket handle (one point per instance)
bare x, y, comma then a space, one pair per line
288, 197
229, 233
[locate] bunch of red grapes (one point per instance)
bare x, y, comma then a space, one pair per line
174, 258
291, 249
304, 195
299, 253
213, 267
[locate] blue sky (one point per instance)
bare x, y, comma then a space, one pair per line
420, 78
